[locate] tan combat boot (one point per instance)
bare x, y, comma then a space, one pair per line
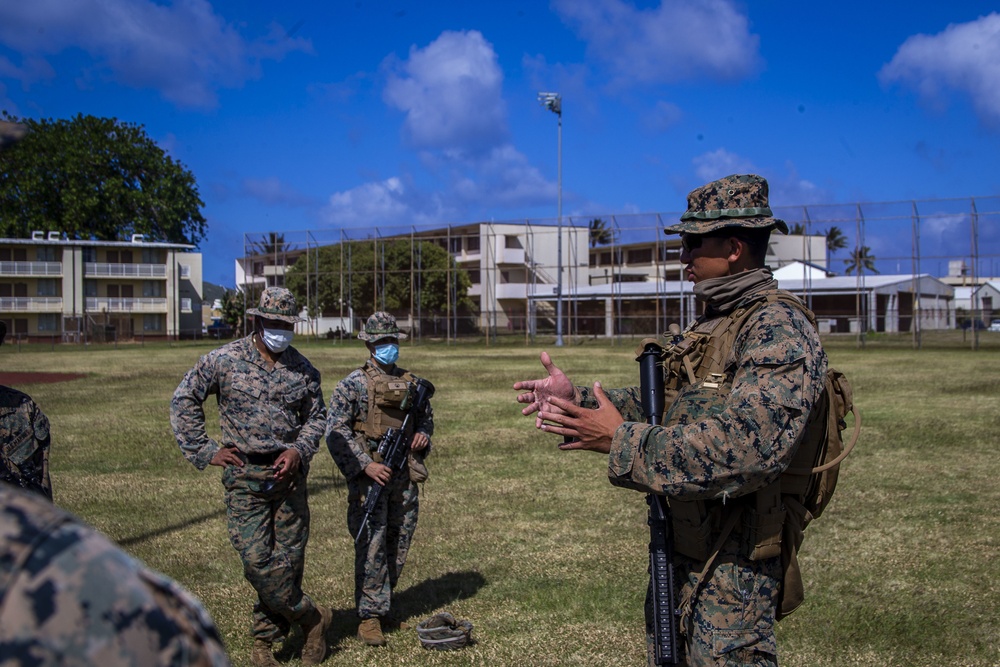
370, 632
261, 656
314, 648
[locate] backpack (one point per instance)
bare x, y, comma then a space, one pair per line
785, 508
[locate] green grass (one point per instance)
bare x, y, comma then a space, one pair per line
532, 544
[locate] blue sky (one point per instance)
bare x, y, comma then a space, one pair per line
319, 116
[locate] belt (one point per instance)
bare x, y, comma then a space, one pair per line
263, 459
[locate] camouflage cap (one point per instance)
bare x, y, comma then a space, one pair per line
739, 200
381, 325
277, 303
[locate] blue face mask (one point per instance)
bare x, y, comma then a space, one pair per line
386, 354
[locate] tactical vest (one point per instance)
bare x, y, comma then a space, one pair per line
387, 401
699, 366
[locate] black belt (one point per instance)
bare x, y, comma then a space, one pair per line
263, 459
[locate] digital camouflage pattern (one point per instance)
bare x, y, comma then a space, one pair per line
277, 303
24, 442
68, 596
381, 325
739, 200
262, 411
380, 554
719, 451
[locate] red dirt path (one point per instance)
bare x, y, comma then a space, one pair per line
13, 379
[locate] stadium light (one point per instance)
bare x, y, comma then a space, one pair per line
553, 102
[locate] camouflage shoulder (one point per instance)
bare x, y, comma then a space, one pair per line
67, 590
12, 398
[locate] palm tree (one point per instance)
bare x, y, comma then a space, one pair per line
601, 234
835, 239
798, 229
861, 260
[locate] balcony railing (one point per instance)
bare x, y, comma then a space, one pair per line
31, 304
105, 270
127, 305
30, 268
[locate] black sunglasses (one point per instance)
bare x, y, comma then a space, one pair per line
692, 242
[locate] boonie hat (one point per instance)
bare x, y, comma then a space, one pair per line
739, 200
277, 303
381, 325
444, 632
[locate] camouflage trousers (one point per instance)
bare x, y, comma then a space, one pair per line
269, 528
381, 552
732, 618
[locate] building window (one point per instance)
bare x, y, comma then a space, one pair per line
90, 255
90, 288
512, 241
48, 322
46, 287
185, 271
13, 255
456, 244
152, 288
46, 253
185, 305
472, 244
150, 256
152, 323
640, 256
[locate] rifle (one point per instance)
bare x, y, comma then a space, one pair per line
395, 445
661, 541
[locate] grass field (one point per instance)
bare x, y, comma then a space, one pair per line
532, 544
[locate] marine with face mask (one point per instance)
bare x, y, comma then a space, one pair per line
272, 416
363, 406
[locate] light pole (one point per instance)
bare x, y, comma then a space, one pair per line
553, 102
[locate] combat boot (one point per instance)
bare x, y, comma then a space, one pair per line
370, 632
314, 648
261, 656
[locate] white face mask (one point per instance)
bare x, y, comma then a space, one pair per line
276, 340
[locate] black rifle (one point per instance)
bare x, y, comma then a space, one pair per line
661, 541
395, 445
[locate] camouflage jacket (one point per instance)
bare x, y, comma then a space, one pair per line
68, 596
778, 368
24, 442
349, 404
261, 411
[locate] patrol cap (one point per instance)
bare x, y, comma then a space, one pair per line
739, 200
277, 303
381, 325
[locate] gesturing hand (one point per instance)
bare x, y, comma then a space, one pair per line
589, 429
539, 394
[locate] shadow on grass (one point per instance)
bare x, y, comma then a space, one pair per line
315, 489
411, 605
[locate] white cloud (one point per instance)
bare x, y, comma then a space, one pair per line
372, 204
504, 179
711, 166
964, 57
450, 92
663, 116
185, 50
273, 191
679, 40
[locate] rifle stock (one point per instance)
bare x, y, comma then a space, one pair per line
395, 445
661, 547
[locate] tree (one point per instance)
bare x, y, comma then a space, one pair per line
235, 304
96, 178
835, 240
861, 259
601, 233
797, 229
352, 275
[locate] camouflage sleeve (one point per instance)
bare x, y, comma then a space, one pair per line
628, 400
73, 597
737, 447
25, 439
348, 403
187, 414
313, 418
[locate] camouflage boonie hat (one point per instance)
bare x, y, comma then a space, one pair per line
739, 200
277, 303
381, 325
443, 632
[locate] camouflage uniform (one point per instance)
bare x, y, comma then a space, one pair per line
68, 596
262, 412
722, 454
24, 442
381, 552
